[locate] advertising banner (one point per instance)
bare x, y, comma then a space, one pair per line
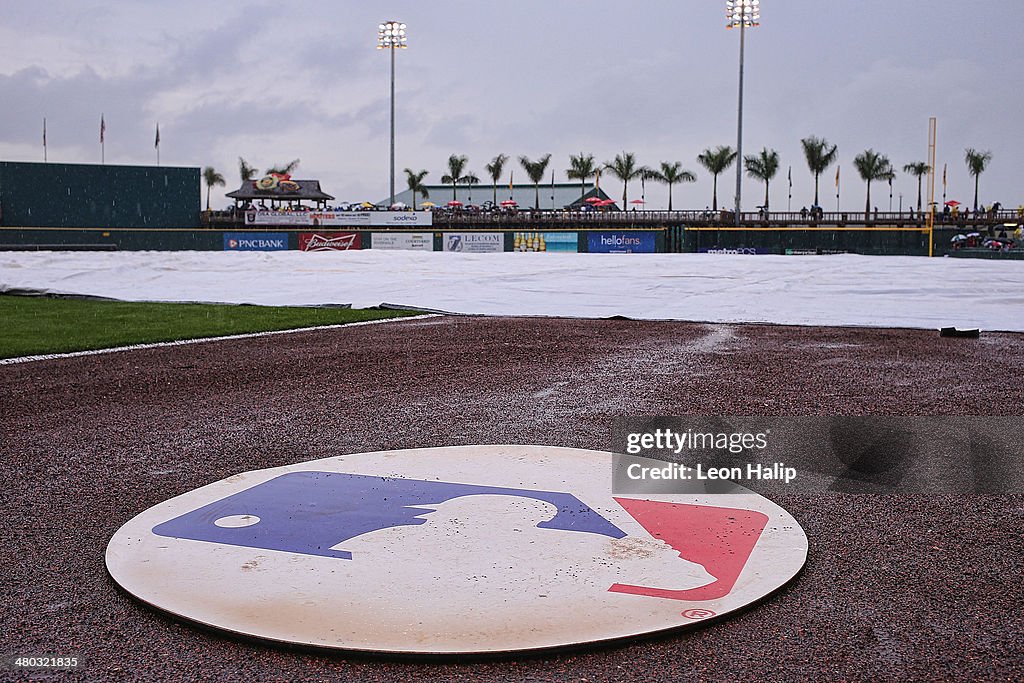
255, 241
405, 241
621, 242
329, 241
545, 241
734, 250
474, 242
339, 218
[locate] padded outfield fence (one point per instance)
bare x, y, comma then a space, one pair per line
793, 240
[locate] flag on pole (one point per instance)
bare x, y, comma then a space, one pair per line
157, 143
837, 177
597, 180
511, 174
944, 176
44, 138
103, 129
790, 177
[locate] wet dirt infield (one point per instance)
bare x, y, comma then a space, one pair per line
895, 587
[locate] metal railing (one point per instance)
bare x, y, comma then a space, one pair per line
549, 218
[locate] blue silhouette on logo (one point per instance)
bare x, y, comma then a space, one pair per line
309, 512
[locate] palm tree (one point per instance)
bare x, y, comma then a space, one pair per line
535, 171
211, 177
715, 161
456, 165
625, 169
670, 174
918, 169
872, 166
976, 163
284, 169
246, 171
819, 156
763, 167
469, 180
580, 168
415, 182
495, 169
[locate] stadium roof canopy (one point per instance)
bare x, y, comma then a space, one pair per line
557, 196
309, 190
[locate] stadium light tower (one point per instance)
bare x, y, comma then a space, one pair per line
391, 36
741, 14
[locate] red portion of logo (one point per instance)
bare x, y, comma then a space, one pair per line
329, 241
721, 539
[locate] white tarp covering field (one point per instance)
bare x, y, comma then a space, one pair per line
889, 291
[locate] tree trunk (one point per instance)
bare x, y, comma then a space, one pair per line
670, 196
816, 176
208, 197
919, 194
766, 196
536, 198
976, 192
714, 197
867, 204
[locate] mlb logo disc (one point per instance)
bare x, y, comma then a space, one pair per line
470, 549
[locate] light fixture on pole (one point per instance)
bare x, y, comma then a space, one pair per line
741, 14
391, 36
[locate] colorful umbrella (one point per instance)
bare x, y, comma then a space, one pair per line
593, 200
952, 202
509, 202
428, 204
455, 202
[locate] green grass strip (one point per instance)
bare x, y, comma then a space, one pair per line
38, 325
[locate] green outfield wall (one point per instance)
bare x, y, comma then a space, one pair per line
98, 196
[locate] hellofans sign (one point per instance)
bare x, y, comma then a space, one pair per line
449, 550
329, 241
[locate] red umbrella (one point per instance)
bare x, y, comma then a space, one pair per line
638, 201
509, 202
454, 202
593, 200
952, 202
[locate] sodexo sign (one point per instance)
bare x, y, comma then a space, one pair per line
472, 549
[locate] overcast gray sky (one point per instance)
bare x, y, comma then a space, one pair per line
272, 81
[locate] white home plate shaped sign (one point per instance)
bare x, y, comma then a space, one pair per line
472, 549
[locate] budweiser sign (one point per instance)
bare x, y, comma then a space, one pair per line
329, 241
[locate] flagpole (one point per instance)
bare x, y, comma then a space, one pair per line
157, 143
44, 140
789, 202
837, 189
103, 148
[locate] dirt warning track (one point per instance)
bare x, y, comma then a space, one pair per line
910, 586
